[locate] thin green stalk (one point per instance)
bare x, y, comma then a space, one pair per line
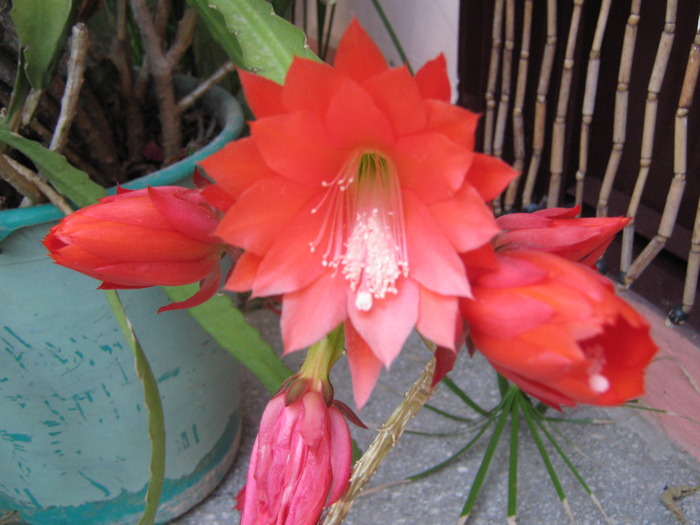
513, 459
154, 406
463, 396
488, 456
392, 34
503, 385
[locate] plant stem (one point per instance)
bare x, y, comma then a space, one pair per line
162, 71
419, 394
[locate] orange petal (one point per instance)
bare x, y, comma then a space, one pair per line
432, 79
357, 56
263, 95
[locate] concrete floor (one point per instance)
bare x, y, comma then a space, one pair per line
626, 460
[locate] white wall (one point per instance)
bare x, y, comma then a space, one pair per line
424, 27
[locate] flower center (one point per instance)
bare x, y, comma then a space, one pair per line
596, 380
363, 230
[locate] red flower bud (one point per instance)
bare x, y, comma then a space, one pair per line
150, 237
556, 230
558, 330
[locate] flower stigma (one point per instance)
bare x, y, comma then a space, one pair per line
363, 230
596, 380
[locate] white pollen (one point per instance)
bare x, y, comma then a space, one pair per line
598, 383
363, 301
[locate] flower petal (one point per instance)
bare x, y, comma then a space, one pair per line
395, 92
364, 365
252, 224
386, 326
437, 317
466, 219
353, 120
432, 79
358, 56
433, 260
236, 166
312, 312
309, 86
489, 175
305, 155
262, 94
431, 165
243, 275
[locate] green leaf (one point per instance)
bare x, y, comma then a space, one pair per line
156, 421
42, 28
268, 43
513, 458
71, 182
216, 26
226, 324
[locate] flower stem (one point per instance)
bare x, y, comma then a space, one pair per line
419, 394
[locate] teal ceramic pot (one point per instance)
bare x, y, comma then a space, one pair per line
74, 446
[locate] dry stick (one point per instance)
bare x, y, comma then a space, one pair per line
76, 68
162, 71
504, 99
496, 44
22, 184
46, 188
183, 37
541, 102
621, 103
589, 96
556, 158
367, 465
120, 55
650, 111
675, 192
186, 101
518, 123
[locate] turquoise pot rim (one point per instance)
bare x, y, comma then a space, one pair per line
217, 100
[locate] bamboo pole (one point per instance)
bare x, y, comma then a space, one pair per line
658, 74
496, 44
556, 158
675, 192
621, 103
541, 102
589, 96
518, 122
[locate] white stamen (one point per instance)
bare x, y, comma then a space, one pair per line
363, 228
598, 383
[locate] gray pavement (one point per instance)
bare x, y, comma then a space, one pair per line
626, 461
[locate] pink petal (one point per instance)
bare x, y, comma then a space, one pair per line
341, 454
353, 120
236, 166
263, 95
466, 219
358, 56
437, 317
206, 291
431, 165
445, 360
309, 86
433, 260
290, 265
252, 223
364, 365
432, 79
243, 275
305, 155
194, 220
311, 313
389, 322
489, 175
396, 94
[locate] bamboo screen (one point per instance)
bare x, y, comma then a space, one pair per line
592, 102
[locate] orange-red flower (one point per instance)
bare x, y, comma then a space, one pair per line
557, 230
354, 196
150, 237
558, 330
